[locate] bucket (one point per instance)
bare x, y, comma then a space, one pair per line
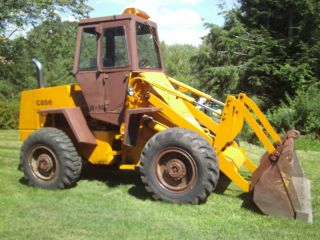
279, 185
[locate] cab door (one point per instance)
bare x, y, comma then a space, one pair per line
103, 68
115, 65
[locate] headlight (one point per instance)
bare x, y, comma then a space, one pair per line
130, 91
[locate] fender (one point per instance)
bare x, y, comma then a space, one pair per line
132, 123
76, 121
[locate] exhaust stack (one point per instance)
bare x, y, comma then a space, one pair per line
39, 72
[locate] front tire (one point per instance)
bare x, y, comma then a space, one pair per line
49, 159
180, 166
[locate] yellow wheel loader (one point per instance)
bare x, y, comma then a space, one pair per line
125, 112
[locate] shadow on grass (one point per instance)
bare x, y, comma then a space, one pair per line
223, 184
113, 177
248, 203
23, 181
247, 198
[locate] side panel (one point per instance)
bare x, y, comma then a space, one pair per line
66, 100
32, 101
28, 117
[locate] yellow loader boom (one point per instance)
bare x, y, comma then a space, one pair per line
127, 113
291, 196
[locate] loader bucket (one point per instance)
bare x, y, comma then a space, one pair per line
280, 187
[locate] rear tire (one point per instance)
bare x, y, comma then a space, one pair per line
180, 166
49, 159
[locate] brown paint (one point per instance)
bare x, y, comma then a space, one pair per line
280, 186
105, 89
76, 121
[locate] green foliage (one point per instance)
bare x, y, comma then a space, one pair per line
266, 48
147, 46
301, 112
53, 43
177, 62
50, 40
59, 37
222, 57
20, 13
248, 135
9, 114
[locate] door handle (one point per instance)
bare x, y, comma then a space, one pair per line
105, 77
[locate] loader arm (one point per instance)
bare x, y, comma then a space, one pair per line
279, 178
235, 112
279, 184
231, 157
241, 105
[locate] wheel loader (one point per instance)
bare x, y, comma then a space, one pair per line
127, 113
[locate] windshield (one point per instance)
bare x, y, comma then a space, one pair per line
148, 51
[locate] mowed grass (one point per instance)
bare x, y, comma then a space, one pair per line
110, 205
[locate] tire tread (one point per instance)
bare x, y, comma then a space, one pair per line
199, 146
69, 159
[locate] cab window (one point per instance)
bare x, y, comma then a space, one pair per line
88, 50
114, 48
147, 44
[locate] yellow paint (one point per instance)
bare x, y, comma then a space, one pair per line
247, 101
127, 166
228, 167
137, 12
249, 165
24, 134
165, 89
157, 126
235, 155
205, 120
154, 89
173, 115
132, 155
230, 125
32, 101
102, 153
178, 108
58, 97
186, 88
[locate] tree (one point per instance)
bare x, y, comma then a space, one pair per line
266, 48
222, 57
291, 33
19, 13
53, 43
176, 60
50, 40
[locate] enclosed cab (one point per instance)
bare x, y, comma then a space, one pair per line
108, 50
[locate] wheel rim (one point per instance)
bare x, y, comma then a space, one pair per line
43, 163
175, 169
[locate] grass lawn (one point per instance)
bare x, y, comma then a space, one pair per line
115, 206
